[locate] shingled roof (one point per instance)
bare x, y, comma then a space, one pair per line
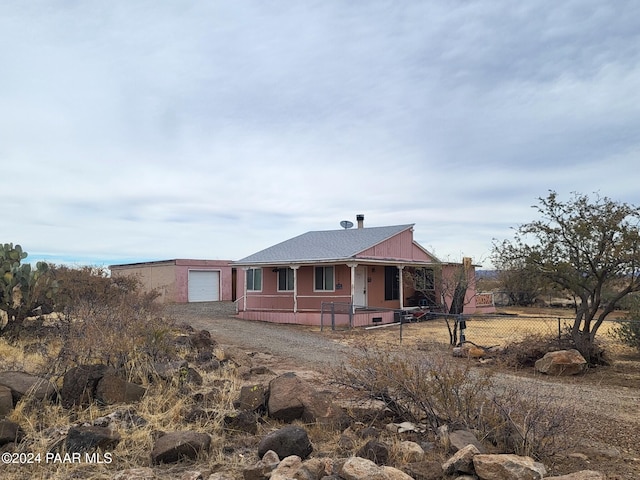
323, 246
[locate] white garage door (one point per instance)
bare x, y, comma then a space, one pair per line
204, 286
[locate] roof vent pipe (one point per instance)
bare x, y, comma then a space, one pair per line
360, 220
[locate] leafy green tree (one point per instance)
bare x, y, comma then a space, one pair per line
22, 288
590, 248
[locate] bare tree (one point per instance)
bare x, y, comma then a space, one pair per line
447, 288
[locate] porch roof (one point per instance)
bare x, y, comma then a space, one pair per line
327, 246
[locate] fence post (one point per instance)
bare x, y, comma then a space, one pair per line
462, 327
559, 334
333, 316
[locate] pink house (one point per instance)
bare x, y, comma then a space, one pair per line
371, 272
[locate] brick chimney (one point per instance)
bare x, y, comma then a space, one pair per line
360, 220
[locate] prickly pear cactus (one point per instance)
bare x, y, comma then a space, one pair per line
18, 281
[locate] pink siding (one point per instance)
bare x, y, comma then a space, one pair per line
398, 247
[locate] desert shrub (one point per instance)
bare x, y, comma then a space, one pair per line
628, 329
521, 420
418, 388
628, 332
525, 351
438, 390
111, 321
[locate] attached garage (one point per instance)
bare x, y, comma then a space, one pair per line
204, 286
184, 280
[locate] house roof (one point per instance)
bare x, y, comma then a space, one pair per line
323, 246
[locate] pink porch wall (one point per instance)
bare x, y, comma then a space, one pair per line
375, 288
270, 299
314, 318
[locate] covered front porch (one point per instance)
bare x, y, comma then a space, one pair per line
296, 292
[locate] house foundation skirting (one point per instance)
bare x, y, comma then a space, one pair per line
359, 319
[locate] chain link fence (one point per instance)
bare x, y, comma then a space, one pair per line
505, 329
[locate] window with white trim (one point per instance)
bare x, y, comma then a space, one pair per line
254, 279
324, 279
285, 279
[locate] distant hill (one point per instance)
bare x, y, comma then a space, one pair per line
487, 274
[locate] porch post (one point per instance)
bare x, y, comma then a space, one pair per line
244, 288
295, 287
353, 285
401, 286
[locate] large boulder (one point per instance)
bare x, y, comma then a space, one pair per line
202, 341
410, 452
22, 383
562, 362
87, 439
112, 389
285, 402
319, 407
461, 461
287, 441
287, 468
458, 439
291, 398
424, 470
581, 475
174, 446
263, 468
6, 401
507, 467
244, 422
10, 432
79, 384
170, 370
252, 398
374, 450
356, 468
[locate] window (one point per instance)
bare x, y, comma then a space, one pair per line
324, 279
254, 279
391, 283
285, 279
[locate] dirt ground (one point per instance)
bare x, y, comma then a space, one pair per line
607, 398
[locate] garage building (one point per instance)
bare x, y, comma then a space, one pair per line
184, 280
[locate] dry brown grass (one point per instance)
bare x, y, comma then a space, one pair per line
164, 408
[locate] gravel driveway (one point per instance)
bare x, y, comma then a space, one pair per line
294, 344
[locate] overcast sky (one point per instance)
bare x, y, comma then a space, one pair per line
149, 130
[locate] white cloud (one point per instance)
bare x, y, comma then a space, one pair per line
139, 130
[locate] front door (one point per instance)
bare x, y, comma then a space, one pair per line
360, 286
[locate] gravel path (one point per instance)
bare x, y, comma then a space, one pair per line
294, 344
